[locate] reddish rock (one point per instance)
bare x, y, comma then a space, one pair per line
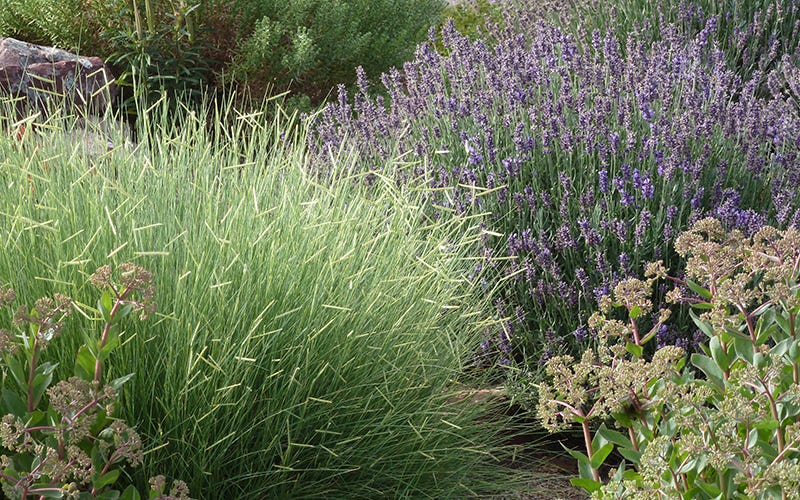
40, 74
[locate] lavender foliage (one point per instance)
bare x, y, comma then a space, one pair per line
589, 161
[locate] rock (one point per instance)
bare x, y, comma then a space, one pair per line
41, 74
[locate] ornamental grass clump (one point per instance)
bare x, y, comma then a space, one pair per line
724, 425
65, 439
310, 339
590, 157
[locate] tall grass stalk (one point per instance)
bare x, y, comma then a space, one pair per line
308, 339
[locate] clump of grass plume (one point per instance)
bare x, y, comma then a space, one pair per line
308, 338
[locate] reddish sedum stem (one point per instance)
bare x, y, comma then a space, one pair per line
32, 373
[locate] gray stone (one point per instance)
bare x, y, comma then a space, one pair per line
45, 76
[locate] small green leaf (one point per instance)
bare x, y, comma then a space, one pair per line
704, 326
35, 418
17, 372
738, 331
752, 439
106, 479
124, 311
104, 304
710, 489
46, 490
613, 436
84, 364
40, 384
719, 353
580, 457
622, 419
710, 368
589, 485
668, 427
696, 464
635, 312
13, 403
780, 319
130, 493
117, 382
692, 493
787, 409
699, 290
744, 349
782, 348
634, 349
620, 474
585, 470
763, 333
630, 455
794, 351
769, 425
600, 455
46, 368
111, 343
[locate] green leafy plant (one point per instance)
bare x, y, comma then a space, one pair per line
156, 49
74, 25
471, 17
311, 46
726, 425
62, 440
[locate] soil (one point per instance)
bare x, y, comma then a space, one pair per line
548, 459
553, 468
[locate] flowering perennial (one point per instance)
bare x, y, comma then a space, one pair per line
587, 158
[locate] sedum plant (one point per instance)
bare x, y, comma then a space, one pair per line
724, 425
61, 440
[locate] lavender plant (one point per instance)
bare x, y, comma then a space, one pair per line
588, 158
726, 425
61, 440
753, 35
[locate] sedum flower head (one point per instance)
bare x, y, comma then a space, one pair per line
570, 391
126, 441
634, 294
131, 280
8, 342
7, 295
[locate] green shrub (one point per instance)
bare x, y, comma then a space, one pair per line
725, 426
311, 46
155, 48
309, 340
74, 25
150, 41
471, 17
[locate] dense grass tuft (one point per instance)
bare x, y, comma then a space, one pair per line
309, 338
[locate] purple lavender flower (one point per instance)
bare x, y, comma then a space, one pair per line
580, 334
540, 120
590, 236
641, 227
602, 177
643, 184
564, 238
